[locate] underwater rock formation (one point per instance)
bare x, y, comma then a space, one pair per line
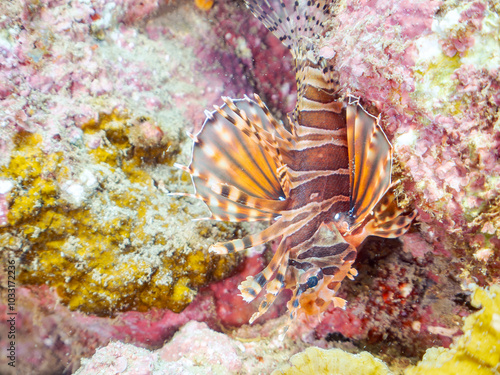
93, 110
87, 150
101, 234
430, 69
435, 80
195, 349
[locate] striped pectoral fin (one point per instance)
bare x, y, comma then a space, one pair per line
392, 228
235, 195
253, 285
223, 208
222, 152
249, 123
390, 221
226, 159
370, 162
277, 125
289, 222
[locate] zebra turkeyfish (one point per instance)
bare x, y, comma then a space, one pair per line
322, 181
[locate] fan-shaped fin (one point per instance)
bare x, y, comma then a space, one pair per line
388, 221
240, 197
224, 209
224, 155
277, 125
370, 158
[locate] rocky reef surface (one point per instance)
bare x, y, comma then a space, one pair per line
95, 99
195, 349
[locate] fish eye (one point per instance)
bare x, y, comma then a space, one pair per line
337, 216
312, 282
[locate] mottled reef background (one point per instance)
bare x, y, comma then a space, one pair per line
95, 99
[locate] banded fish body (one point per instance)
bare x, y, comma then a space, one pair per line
321, 181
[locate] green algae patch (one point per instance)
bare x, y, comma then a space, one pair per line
93, 224
477, 351
333, 361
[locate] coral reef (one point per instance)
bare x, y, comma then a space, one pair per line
402, 300
430, 69
477, 351
89, 156
195, 349
94, 101
101, 233
51, 339
435, 79
95, 98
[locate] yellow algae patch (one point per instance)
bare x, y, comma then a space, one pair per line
477, 351
333, 362
434, 80
92, 224
34, 171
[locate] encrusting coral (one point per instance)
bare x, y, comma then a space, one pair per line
477, 351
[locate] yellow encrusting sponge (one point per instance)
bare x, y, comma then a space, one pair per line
333, 362
477, 351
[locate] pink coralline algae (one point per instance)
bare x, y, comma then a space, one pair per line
54, 341
5, 187
192, 344
440, 111
194, 350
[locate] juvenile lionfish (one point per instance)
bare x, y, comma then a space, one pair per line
322, 181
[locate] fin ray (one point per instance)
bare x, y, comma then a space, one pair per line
370, 162
225, 158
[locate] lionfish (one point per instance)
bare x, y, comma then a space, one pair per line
322, 181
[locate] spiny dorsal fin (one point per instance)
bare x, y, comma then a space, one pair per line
293, 21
